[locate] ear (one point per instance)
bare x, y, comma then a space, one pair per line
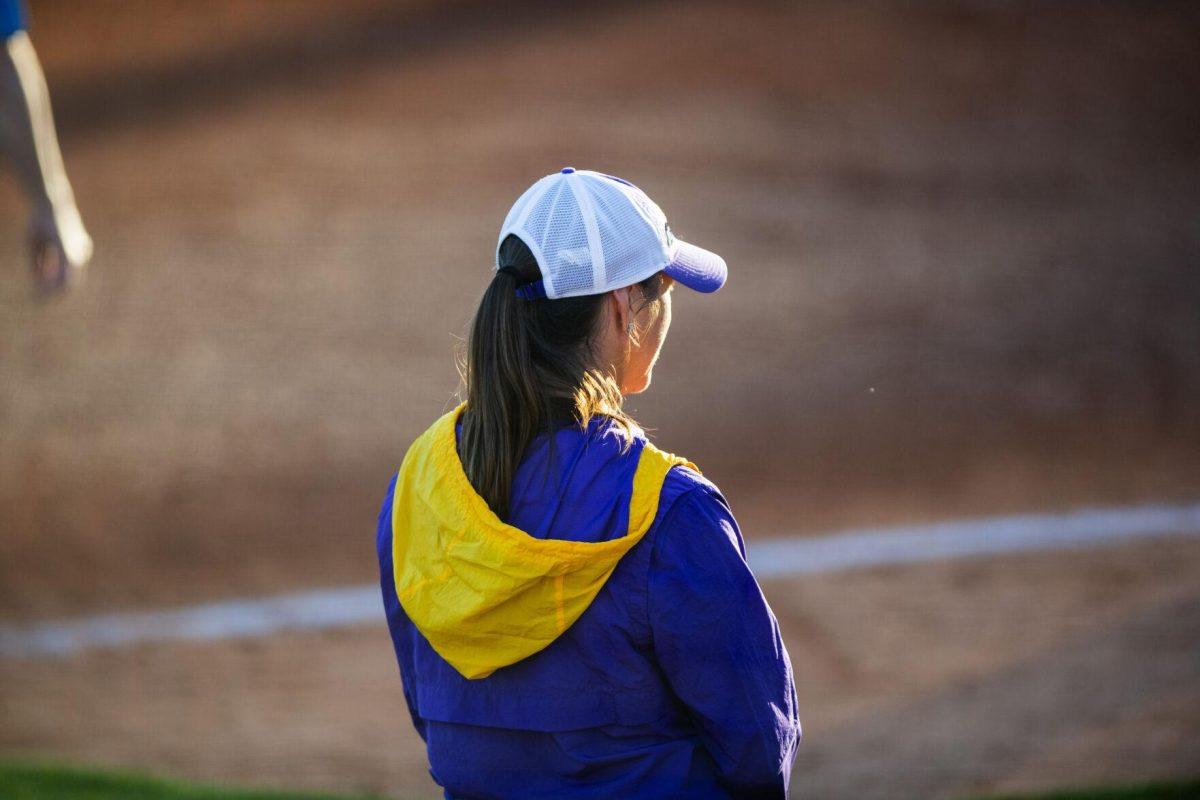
619, 300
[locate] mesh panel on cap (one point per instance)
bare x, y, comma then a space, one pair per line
539, 215
627, 235
630, 244
557, 226
526, 201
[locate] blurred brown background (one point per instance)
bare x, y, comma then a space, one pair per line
964, 245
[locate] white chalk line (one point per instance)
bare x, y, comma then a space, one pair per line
775, 558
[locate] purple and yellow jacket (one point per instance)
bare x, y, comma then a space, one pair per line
606, 640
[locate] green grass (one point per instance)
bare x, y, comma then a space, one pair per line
22, 780
1186, 790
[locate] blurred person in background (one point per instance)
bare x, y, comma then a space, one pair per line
570, 606
61, 247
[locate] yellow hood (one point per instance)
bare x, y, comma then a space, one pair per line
484, 593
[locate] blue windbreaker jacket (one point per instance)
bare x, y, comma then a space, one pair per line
674, 682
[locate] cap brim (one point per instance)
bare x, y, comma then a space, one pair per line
696, 268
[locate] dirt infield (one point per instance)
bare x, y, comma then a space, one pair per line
963, 241
926, 681
976, 211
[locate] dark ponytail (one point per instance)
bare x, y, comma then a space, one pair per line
528, 364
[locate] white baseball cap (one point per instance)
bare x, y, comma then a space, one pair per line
591, 233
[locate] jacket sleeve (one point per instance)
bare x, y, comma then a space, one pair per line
13, 17
719, 645
396, 619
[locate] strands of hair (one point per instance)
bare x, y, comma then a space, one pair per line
530, 366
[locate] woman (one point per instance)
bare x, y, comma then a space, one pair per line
570, 606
